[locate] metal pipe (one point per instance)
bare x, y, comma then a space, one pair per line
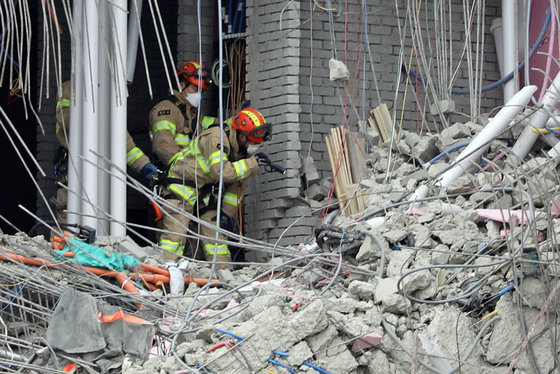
537, 121
118, 118
75, 132
90, 113
132, 40
104, 115
482, 141
509, 46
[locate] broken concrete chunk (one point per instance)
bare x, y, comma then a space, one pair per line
395, 304
364, 290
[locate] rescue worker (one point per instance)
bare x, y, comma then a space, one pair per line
135, 158
173, 121
194, 175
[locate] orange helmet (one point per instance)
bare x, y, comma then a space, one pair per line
194, 73
251, 123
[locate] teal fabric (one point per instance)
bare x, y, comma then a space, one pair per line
90, 255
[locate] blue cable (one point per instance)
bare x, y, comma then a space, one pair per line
284, 354
241, 19
281, 365
323, 371
553, 131
231, 334
238, 10
9, 56
481, 163
464, 91
230, 17
19, 289
446, 152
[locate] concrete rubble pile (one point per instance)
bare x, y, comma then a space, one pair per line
461, 280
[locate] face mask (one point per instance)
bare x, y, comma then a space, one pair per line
252, 149
194, 99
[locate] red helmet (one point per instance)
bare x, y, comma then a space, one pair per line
251, 123
195, 74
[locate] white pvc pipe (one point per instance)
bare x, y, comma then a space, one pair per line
509, 48
133, 36
537, 121
482, 141
118, 119
420, 193
90, 113
104, 117
74, 204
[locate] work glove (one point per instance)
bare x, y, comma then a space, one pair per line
148, 171
227, 222
262, 159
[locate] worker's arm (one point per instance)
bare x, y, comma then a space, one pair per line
233, 171
165, 118
135, 157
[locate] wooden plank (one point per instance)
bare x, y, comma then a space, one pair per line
349, 191
387, 119
340, 164
372, 123
337, 188
381, 124
356, 152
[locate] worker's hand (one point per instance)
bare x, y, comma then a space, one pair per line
149, 170
262, 159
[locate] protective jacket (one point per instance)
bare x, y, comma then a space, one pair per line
198, 165
172, 122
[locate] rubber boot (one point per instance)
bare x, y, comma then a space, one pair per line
221, 261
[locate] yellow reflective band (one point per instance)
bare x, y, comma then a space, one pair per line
188, 194
231, 199
216, 157
196, 65
253, 117
171, 246
164, 125
207, 121
241, 169
206, 200
58, 127
209, 249
65, 103
174, 158
182, 139
195, 150
133, 155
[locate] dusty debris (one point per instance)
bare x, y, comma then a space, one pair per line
456, 269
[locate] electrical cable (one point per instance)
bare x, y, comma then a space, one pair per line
504, 79
446, 152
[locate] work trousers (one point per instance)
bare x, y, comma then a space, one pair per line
173, 238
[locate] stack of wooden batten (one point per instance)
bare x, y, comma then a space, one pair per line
380, 120
348, 163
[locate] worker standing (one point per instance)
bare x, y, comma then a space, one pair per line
173, 121
135, 158
194, 175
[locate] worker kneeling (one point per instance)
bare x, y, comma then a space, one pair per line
194, 176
